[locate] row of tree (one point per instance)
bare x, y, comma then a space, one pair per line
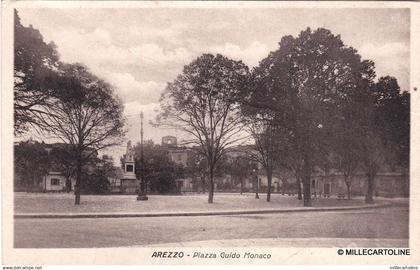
312, 103
62, 101
34, 160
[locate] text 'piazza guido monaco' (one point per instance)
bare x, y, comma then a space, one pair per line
212, 255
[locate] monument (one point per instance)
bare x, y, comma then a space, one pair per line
129, 182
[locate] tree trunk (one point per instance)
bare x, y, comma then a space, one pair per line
34, 186
348, 190
269, 179
370, 183
347, 180
242, 184
299, 188
211, 185
68, 184
78, 180
307, 182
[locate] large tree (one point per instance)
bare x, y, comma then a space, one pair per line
349, 138
86, 115
386, 130
392, 119
202, 102
266, 147
262, 125
35, 76
304, 82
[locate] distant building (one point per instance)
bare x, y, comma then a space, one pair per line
169, 141
59, 173
177, 154
387, 184
57, 181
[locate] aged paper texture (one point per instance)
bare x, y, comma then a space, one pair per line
146, 201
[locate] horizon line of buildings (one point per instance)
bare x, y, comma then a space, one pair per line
388, 183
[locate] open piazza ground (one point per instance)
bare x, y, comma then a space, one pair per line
64, 203
385, 226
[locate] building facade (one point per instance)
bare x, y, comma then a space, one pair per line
57, 181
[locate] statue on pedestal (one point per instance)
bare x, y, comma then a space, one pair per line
129, 154
129, 182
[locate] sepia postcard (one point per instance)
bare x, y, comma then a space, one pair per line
211, 133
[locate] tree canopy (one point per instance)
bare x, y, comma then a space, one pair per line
304, 84
86, 115
35, 76
202, 102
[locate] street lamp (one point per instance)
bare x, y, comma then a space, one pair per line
142, 196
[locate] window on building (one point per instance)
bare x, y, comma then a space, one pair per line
129, 168
313, 183
55, 182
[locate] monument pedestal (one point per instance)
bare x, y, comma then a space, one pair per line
129, 185
129, 182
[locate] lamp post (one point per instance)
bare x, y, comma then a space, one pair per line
142, 196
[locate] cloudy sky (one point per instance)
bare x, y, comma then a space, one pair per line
140, 50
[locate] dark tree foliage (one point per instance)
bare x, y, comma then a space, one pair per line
386, 123
348, 141
303, 83
35, 76
239, 169
63, 159
263, 127
96, 182
197, 169
160, 172
392, 119
32, 162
